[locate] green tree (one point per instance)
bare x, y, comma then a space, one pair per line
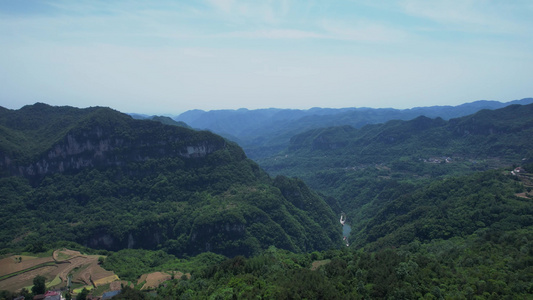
6, 294
130, 294
39, 285
26, 294
83, 294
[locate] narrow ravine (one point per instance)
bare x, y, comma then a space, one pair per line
346, 229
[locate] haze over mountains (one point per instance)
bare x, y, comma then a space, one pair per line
264, 132
432, 199
383, 167
352, 169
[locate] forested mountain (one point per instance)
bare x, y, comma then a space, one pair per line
500, 137
398, 181
264, 132
439, 208
162, 119
100, 178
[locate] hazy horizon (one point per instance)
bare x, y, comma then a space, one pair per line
174, 114
167, 57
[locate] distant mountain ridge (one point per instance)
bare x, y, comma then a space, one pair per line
503, 133
419, 179
163, 119
264, 132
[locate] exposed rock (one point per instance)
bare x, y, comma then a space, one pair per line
96, 148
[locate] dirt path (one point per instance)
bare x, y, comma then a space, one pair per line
71, 265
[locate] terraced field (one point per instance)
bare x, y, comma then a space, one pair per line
17, 272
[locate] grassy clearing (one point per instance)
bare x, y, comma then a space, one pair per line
140, 285
62, 256
318, 263
100, 290
57, 280
78, 290
106, 280
40, 254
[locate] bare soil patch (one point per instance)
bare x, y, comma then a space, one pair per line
318, 263
25, 279
523, 195
11, 264
117, 285
153, 280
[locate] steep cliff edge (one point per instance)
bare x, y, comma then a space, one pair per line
101, 137
100, 178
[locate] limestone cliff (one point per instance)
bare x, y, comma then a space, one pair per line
105, 138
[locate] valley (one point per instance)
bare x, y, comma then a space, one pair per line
429, 207
280, 149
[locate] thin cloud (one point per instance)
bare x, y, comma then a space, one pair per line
271, 12
273, 34
222, 5
363, 31
467, 16
169, 55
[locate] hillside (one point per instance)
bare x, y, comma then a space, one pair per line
161, 119
438, 208
265, 132
380, 174
489, 138
100, 178
486, 265
454, 207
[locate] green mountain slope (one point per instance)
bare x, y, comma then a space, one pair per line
487, 265
385, 176
105, 180
454, 207
502, 134
428, 219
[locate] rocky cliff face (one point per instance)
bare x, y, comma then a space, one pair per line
123, 183
148, 238
97, 147
210, 237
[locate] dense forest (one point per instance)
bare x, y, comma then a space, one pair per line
485, 265
439, 209
109, 181
502, 134
468, 237
360, 167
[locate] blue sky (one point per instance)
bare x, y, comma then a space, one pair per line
166, 57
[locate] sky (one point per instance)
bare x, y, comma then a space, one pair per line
167, 57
